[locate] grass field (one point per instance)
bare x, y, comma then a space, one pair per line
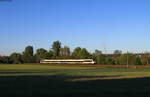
39, 80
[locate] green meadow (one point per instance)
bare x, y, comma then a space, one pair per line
45, 80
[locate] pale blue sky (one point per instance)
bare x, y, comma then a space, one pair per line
93, 24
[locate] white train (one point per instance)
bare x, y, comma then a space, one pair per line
67, 61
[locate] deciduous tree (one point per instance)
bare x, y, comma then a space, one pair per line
28, 55
16, 58
56, 48
41, 54
76, 52
65, 51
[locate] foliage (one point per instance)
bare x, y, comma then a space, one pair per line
28, 55
84, 54
16, 58
76, 52
41, 54
58, 52
145, 58
99, 57
5, 60
127, 59
81, 53
50, 54
65, 51
138, 61
56, 48
1, 59
117, 52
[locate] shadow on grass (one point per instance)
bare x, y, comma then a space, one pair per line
57, 86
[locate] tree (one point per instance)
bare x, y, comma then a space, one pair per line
1, 59
99, 57
50, 54
98, 52
56, 48
16, 58
76, 52
138, 61
6, 60
81, 53
115, 57
117, 52
65, 51
28, 55
84, 54
41, 54
145, 58
29, 51
127, 59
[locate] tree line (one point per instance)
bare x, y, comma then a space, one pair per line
59, 52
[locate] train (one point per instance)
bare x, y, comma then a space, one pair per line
67, 61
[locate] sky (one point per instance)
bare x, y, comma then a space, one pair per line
106, 25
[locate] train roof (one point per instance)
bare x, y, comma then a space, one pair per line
67, 59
